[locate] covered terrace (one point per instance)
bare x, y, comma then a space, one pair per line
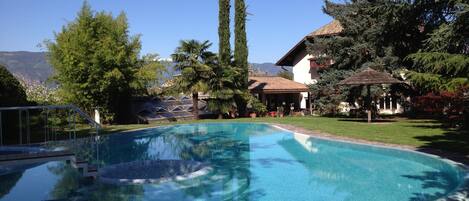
276, 91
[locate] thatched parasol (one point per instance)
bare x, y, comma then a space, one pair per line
370, 77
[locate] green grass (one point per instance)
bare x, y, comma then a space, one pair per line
416, 133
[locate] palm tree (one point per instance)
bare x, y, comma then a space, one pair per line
194, 61
223, 86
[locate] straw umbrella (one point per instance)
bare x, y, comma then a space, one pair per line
370, 77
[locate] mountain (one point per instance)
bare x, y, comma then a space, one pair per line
34, 66
267, 68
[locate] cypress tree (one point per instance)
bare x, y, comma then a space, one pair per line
241, 53
241, 46
224, 32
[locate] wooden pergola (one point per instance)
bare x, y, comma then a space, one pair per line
370, 77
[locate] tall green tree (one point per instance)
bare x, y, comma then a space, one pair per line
224, 51
364, 42
95, 61
443, 63
241, 53
376, 33
194, 61
150, 75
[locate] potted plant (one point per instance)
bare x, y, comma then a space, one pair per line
256, 107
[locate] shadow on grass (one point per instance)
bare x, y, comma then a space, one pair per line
366, 121
452, 143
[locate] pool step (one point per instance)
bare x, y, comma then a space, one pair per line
92, 171
86, 169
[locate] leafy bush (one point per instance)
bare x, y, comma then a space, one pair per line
96, 62
254, 105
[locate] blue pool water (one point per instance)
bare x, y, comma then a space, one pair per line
250, 162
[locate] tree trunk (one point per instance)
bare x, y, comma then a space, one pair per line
195, 105
466, 120
465, 110
368, 102
220, 115
241, 105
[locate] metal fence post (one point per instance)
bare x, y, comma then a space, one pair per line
28, 128
74, 125
97, 138
1, 130
20, 127
45, 124
69, 121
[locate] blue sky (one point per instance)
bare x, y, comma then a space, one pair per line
274, 26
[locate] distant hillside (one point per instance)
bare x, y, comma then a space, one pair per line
268, 68
33, 65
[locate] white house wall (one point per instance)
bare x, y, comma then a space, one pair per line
301, 68
301, 74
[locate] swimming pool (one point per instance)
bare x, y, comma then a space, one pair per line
249, 162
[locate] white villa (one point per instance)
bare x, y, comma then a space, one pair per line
305, 68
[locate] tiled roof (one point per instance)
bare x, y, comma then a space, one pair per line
275, 84
332, 28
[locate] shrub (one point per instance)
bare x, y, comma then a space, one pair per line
11, 91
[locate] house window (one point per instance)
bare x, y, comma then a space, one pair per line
313, 69
381, 103
394, 103
388, 102
314, 66
314, 73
